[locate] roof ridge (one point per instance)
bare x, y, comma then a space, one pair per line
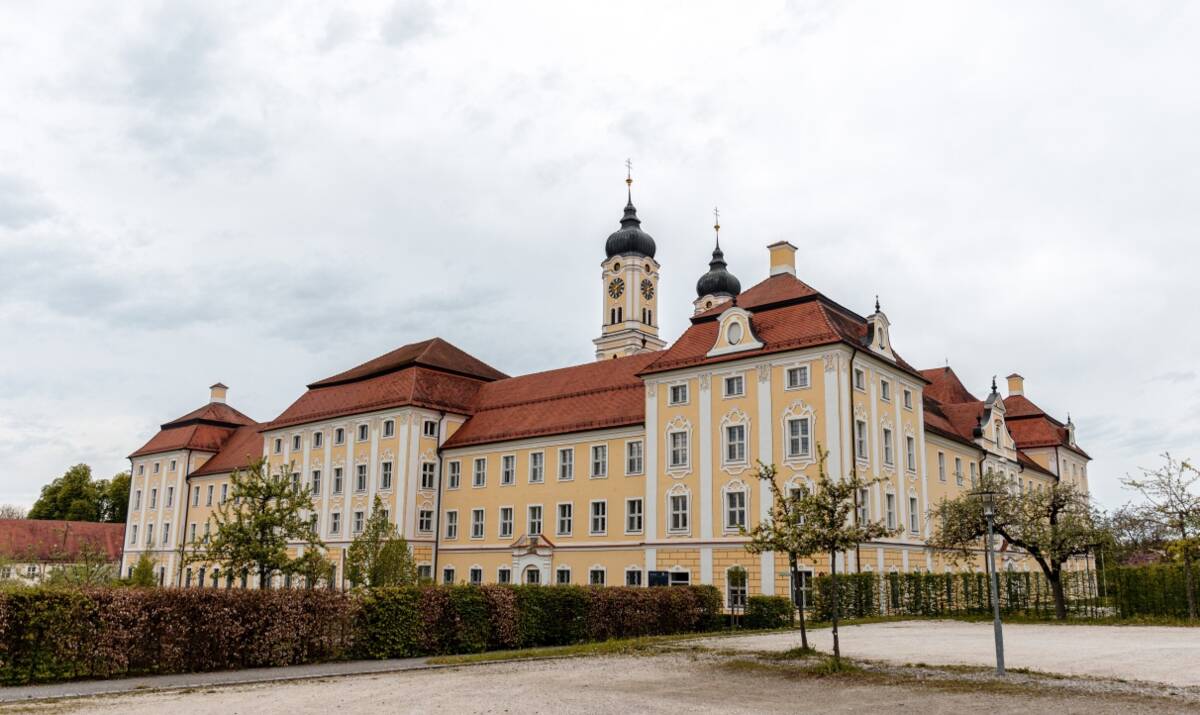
563, 396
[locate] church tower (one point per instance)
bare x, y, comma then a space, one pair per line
629, 281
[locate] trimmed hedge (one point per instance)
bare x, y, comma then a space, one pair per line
768, 612
52, 634
1157, 590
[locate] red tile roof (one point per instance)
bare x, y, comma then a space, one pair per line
938, 422
244, 446
204, 429
433, 353
214, 412
596, 395
1027, 463
61, 541
787, 314
944, 386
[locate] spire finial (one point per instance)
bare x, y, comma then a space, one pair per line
994, 390
876, 302
629, 179
717, 225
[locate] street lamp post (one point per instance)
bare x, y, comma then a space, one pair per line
988, 497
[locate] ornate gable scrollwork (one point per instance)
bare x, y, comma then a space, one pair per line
799, 409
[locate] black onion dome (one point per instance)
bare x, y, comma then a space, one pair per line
630, 238
718, 280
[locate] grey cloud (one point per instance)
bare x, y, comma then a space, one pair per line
20, 203
408, 20
168, 66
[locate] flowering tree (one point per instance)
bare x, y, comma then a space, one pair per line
1172, 493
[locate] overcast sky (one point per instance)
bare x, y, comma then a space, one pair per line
209, 191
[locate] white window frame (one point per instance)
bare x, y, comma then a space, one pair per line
508, 470
635, 464
914, 514
672, 463
958, 471
389, 428
339, 480
728, 444
529, 520
335, 522
803, 439
885, 389
640, 515
360, 521
737, 382
860, 379
862, 443
569, 519
361, 477
478, 475
637, 582
908, 399
537, 467
478, 523
941, 459
455, 477
679, 521
318, 439
592, 581
886, 435
889, 501
339, 435
506, 527
566, 467
731, 510
429, 428
451, 531
559, 571
593, 516
363, 433
425, 521
910, 453
598, 462
387, 475
683, 397
803, 376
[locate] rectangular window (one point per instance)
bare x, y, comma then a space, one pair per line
633, 516
337, 480
316, 482
735, 580
296, 481
224, 492
565, 519
735, 386
735, 444
907, 399
679, 449
910, 452
972, 475
860, 439
566, 464
385, 475
535, 519
195, 497
599, 520
679, 512
192, 532
889, 456
942, 466
599, 461
158, 465
864, 506
885, 390
172, 467
958, 473
448, 575
452, 524
506, 522
428, 476
133, 534
278, 445
150, 534
389, 428
360, 477
424, 573
425, 520
455, 474
680, 578
678, 395
797, 377
508, 469
913, 515
477, 523
429, 428
504, 575
339, 435
363, 433
799, 437
137, 498
476, 575
166, 534
735, 510
891, 511
562, 576
141, 469
537, 467
633, 457
295, 443
479, 477
154, 498
633, 577
208, 496
318, 439
596, 577
335, 522
860, 379
358, 522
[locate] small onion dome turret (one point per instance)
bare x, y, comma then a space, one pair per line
718, 280
630, 239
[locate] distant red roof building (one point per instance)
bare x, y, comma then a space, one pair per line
45, 541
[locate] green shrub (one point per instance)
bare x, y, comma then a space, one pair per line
768, 612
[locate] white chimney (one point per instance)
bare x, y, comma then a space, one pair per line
216, 393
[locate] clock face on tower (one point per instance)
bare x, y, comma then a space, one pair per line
647, 288
616, 288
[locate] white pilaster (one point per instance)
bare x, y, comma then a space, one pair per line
706, 565
651, 496
706, 456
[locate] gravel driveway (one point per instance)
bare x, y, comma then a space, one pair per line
1150, 653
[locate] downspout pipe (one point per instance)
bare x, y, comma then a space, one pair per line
437, 503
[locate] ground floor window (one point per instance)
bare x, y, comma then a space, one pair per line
533, 575
448, 575
804, 588
633, 577
476, 575
680, 578
596, 577
735, 587
562, 576
504, 575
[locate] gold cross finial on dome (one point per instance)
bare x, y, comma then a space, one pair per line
717, 224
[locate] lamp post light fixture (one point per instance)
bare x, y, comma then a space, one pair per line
988, 497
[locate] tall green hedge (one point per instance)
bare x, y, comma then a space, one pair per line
50, 634
1158, 590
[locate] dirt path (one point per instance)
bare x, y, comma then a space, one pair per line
1154, 654
671, 683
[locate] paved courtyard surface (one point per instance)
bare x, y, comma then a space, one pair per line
675, 683
1155, 654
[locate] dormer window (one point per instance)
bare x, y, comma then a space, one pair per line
734, 333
